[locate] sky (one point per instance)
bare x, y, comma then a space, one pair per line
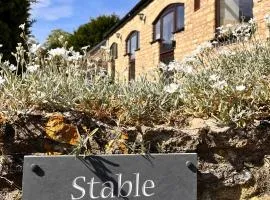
70, 14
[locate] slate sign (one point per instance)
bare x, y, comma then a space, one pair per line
123, 177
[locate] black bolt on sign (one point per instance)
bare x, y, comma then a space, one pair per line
123, 177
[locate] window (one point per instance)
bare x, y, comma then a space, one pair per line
168, 22
197, 5
114, 51
234, 11
132, 43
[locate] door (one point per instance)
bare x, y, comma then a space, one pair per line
131, 71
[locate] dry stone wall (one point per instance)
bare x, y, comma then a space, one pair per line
233, 162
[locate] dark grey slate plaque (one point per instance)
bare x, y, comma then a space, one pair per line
126, 177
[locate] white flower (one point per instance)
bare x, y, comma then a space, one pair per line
220, 85
2, 80
163, 66
85, 48
240, 88
102, 74
188, 69
34, 48
190, 59
204, 46
173, 66
252, 21
229, 26
225, 52
214, 77
75, 56
219, 28
6, 62
32, 68
58, 52
1, 45
12, 68
22, 26
172, 88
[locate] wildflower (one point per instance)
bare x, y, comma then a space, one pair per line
22, 26
6, 62
85, 48
172, 88
58, 52
190, 59
240, 88
229, 26
12, 68
102, 74
252, 21
220, 85
174, 66
202, 47
74, 56
214, 77
32, 68
163, 66
1, 45
188, 69
225, 52
2, 80
219, 28
34, 48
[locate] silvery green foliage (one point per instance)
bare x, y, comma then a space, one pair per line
229, 83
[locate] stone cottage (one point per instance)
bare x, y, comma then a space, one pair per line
157, 31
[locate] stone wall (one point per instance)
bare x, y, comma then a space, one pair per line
233, 162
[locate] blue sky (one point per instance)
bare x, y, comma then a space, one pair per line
70, 14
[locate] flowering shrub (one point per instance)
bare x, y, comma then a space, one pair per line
236, 32
230, 84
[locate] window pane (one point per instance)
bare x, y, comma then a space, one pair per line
128, 46
232, 11
229, 12
113, 51
246, 9
133, 41
168, 27
138, 40
180, 17
157, 30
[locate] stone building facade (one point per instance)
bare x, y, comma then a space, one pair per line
157, 31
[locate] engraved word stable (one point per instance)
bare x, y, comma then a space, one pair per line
118, 177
